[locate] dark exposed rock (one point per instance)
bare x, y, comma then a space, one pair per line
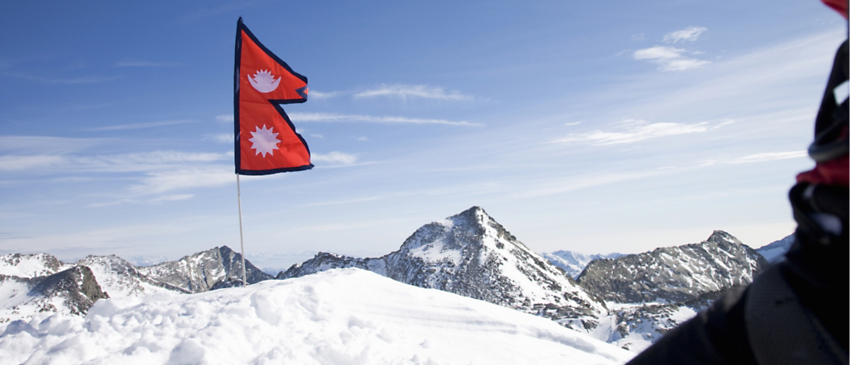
76, 285
201, 271
674, 274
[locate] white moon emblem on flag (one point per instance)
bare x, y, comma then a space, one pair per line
264, 81
264, 141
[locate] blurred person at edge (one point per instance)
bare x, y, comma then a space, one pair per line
795, 311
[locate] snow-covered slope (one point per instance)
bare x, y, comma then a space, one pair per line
674, 274
35, 283
71, 291
31, 265
471, 254
573, 263
119, 278
201, 271
337, 317
775, 251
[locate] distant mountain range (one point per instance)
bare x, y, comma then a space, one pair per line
628, 300
775, 251
573, 263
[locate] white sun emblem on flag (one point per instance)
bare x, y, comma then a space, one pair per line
264, 141
264, 81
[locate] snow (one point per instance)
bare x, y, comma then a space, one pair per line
347, 316
437, 251
11, 293
17, 304
682, 314
26, 266
107, 271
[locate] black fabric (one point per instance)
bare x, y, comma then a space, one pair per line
832, 119
817, 266
781, 330
836, 77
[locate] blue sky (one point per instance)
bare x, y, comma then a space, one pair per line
596, 127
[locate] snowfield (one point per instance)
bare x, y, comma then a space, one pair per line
347, 316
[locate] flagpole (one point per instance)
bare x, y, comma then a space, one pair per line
241, 240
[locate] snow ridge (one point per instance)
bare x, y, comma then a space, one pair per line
319, 319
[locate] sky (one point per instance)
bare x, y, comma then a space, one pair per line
594, 127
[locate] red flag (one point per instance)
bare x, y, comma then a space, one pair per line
266, 141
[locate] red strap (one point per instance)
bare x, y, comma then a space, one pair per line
833, 172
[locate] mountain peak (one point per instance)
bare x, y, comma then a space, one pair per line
472, 216
719, 236
472, 212
678, 273
472, 255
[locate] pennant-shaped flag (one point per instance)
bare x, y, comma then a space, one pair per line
266, 141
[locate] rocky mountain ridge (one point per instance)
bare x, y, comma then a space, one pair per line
472, 255
674, 274
31, 283
201, 271
630, 300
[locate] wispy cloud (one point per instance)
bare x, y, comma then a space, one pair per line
224, 118
630, 131
161, 157
689, 34
759, 157
144, 161
671, 58
341, 118
159, 182
16, 163
668, 58
418, 91
173, 197
39, 145
90, 79
137, 63
220, 138
141, 125
334, 157
324, 95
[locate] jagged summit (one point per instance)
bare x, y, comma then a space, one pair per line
471, 254
719, 236
675, 274
201, 271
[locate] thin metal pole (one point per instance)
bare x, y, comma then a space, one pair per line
241, 240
